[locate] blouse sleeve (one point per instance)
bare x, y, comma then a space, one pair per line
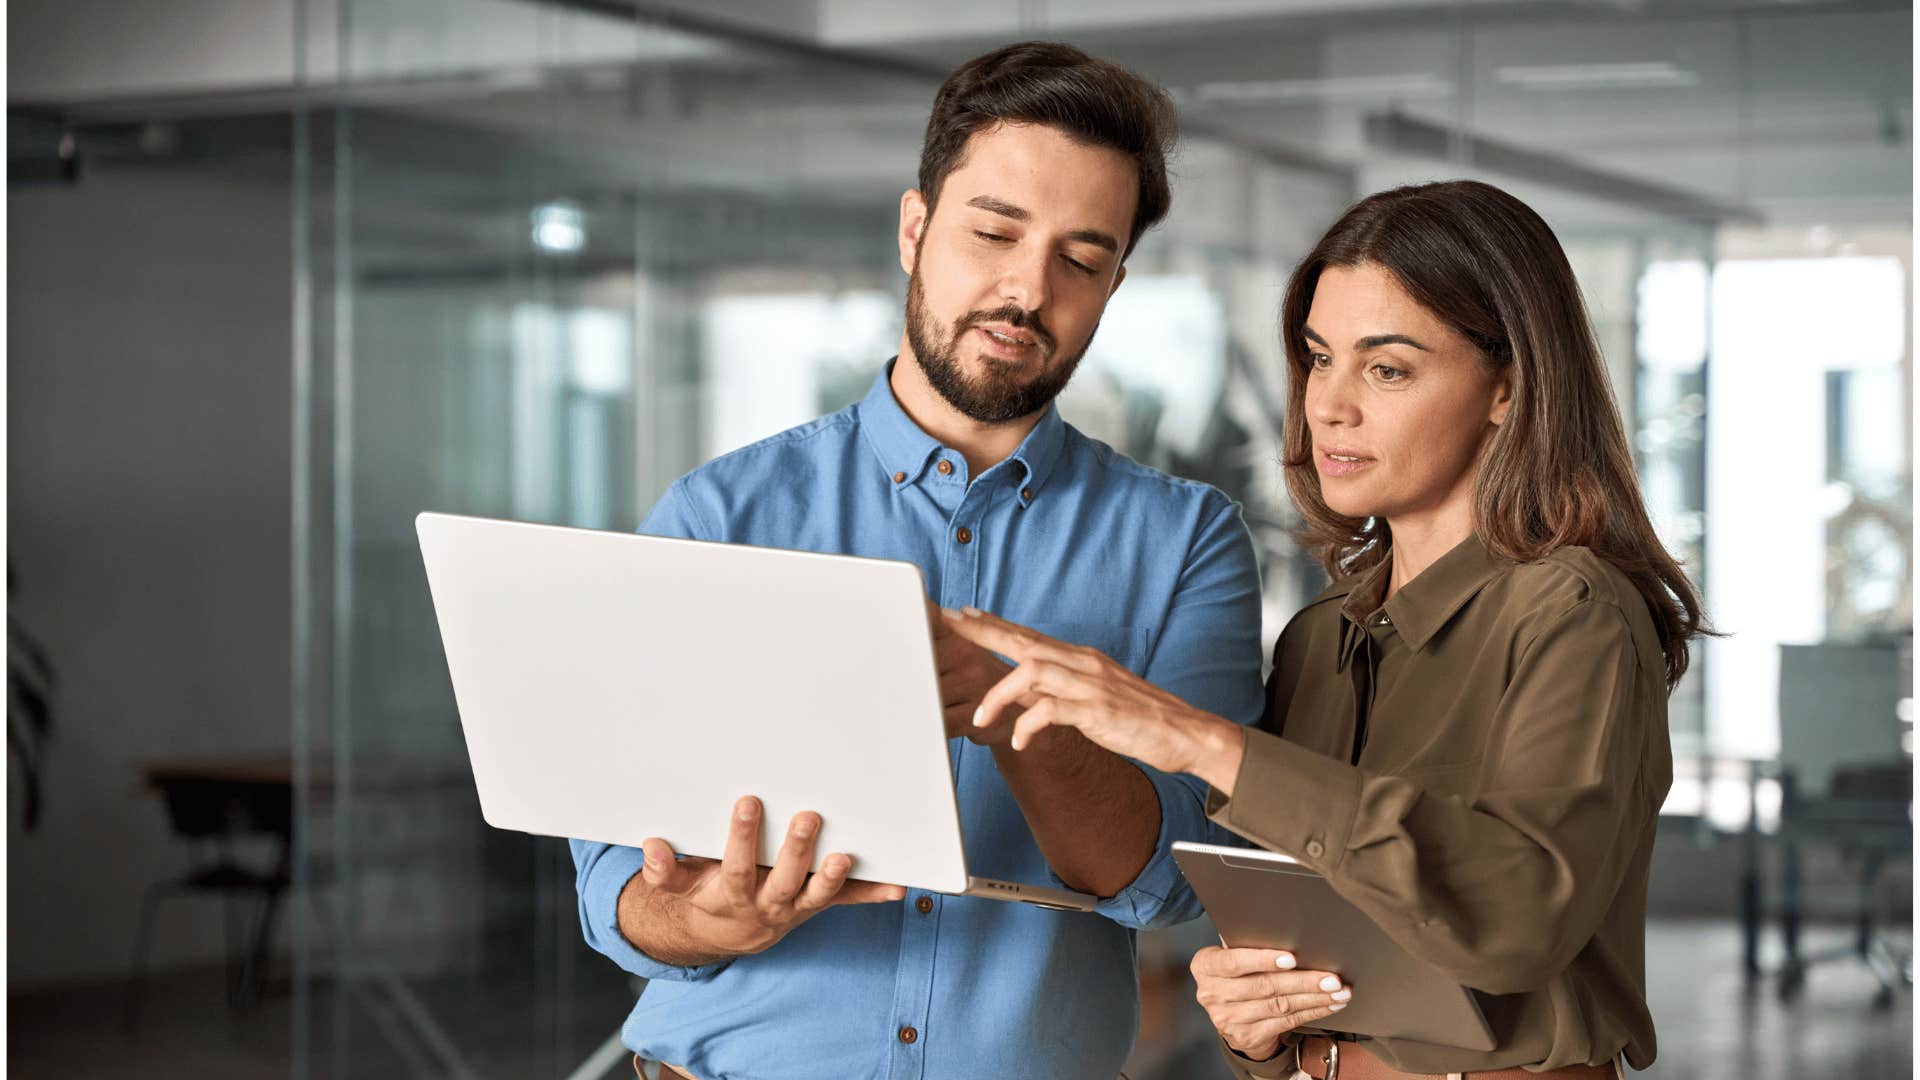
1503, 891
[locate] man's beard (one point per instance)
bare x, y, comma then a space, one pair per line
994, 396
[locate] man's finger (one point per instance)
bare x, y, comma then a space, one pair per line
662, 871
1223, 963
790, 866
825, 884
869, 892
738, 863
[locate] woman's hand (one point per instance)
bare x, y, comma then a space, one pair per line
1254, 997
1080, 687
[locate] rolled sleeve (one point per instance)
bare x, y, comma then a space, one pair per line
601, 871
1159, 895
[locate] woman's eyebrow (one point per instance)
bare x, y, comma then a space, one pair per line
1371, 342
1377, 340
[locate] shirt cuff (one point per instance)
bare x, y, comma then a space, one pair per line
1289, 799
1280, 1066
1159, 895
600, 911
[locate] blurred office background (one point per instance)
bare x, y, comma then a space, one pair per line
283, 274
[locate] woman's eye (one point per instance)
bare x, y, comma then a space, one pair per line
1320, 360
1389, 374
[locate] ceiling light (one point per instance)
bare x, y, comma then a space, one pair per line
1632, 75
559, 228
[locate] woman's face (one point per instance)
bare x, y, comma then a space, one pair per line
1399, 403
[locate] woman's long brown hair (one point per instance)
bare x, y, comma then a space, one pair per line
1557, 472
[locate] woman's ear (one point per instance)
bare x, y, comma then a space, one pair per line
1502, 396
913, 221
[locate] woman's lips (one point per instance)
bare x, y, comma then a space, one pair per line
1340, 462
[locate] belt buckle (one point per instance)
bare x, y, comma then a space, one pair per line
1331, 1059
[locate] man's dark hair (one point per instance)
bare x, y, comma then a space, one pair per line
1046, 82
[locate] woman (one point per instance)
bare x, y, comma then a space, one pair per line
1467, 732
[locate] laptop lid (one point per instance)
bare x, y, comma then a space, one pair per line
613, 686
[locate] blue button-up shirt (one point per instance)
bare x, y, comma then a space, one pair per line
1069, 537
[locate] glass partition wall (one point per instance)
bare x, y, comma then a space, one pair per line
554, 255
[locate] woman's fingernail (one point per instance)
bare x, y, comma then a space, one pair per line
1331, 982
970, 610
1337, 1007
949, 613
1342, 995
1285, 961
980, 717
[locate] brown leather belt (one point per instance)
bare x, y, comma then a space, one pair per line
1327, 1059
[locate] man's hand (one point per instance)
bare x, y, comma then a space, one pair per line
966, 672
698, 911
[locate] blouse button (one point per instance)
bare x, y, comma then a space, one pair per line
899, 478
963, 534
1315, 849
923, 905
945, 467
908, 1035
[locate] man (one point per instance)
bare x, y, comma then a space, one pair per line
1040, 170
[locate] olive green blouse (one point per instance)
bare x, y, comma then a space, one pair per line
1478, 763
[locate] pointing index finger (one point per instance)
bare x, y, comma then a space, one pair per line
992, 632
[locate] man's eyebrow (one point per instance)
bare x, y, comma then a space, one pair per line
1007, 210
995, 206
1096, 238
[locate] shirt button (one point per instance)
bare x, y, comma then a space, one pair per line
923, 905
963, 534
1026, 494
1382, 620
946, 469
899, 478
908, 1035
1315, 849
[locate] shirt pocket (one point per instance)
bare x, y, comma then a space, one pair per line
1127, 645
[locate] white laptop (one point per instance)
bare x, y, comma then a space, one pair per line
614, 687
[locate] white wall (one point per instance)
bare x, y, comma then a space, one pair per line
148, 338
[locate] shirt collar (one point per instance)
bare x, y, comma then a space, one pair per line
906, 452
1431, 599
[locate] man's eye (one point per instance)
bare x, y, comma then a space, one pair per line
1080, 266
995, 238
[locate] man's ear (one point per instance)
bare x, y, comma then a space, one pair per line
1119, 276
913, 223
1502, 396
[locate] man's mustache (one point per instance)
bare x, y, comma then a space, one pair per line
1020, 318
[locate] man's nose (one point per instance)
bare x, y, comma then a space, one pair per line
1024, 282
